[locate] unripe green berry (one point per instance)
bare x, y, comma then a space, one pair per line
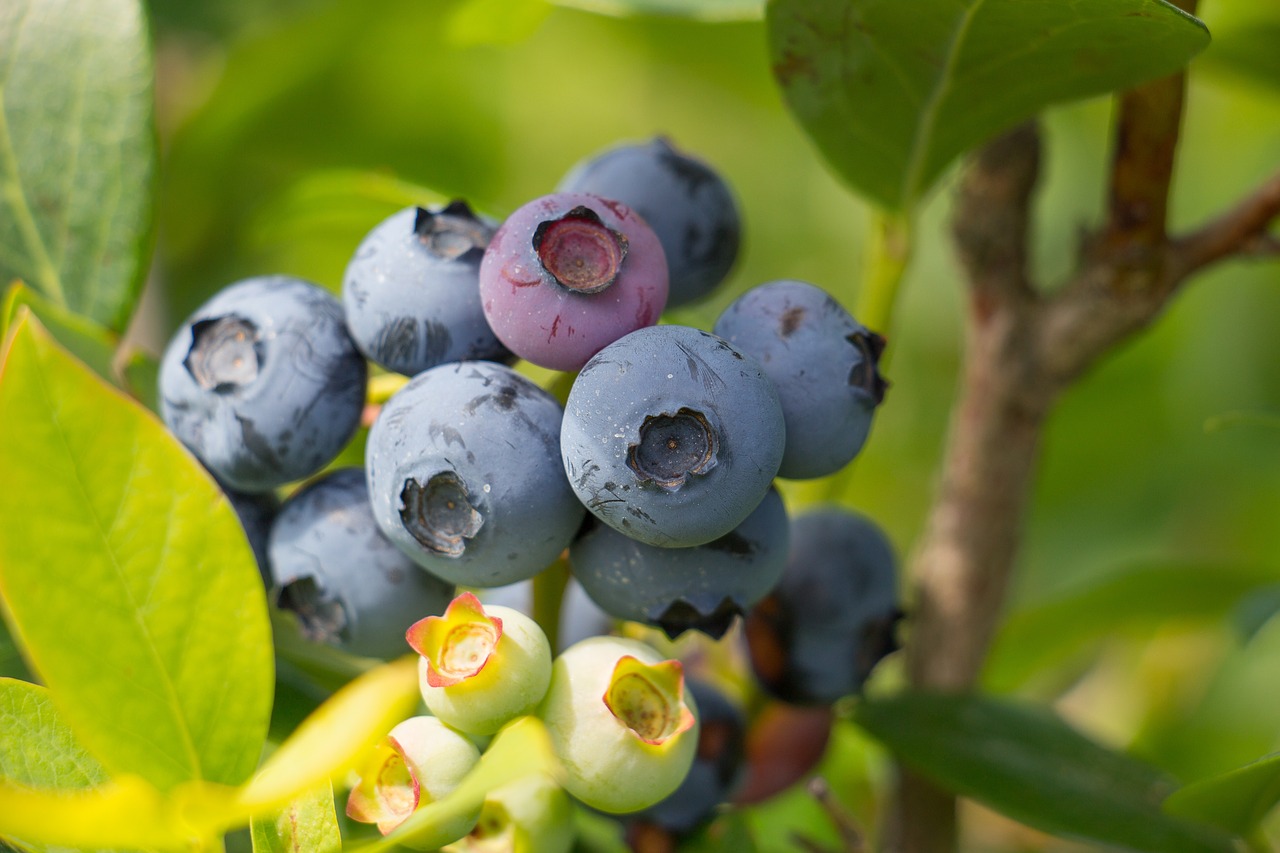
480, 667
621, 723
421, 761
530, 815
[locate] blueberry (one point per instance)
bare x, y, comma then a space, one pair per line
824, 364
412, 291
263, 383
701, 588
818, 635
347, 583
567, 274
463, 474
580, 617
256, 513
686, 203
717, 769
672, 436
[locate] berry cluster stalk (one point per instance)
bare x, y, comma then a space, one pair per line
1025, 346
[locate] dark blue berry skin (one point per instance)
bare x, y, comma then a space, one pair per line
464, 475
347, 583
412, 294
672, 436
701, 588
256, 514
818, 635
717, 770
686, 203
824, 364
263, 383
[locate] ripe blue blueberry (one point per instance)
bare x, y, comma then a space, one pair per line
567, 274
686, 203
464, 475
672, 436
347, 583
818, 635
677, 589
824, 364
263, 383
412, 292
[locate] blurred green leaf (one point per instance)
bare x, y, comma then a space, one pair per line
307, 825
11, 663
142, 379
1237, 801
1255, 611
1250, 51
1042, 633
496, 22
77, 152
1228, 420
326, 666
126, 577
891, 91
332, 739
125, 812
1029, 765
700, 10
38, 748
83, 338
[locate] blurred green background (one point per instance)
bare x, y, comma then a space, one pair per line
1145, 587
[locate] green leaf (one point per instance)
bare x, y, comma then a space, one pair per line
522, 748
142, 379
126, 577
334, 738
1027, 764
1249, 51
11, 663
1040, 634
699, 10
126, 812
891, 91
77, 152
85, 339
499, 22
307, 825
38, 748
1236, 801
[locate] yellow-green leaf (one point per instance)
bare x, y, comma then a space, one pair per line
126, 577
332, 740
307, 825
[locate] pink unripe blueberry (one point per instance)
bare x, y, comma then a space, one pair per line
568, 274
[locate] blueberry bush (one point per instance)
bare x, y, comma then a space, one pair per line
665, 425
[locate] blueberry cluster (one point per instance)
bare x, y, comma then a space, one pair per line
655, 477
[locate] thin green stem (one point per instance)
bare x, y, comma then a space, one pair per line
887, 257
548, 595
